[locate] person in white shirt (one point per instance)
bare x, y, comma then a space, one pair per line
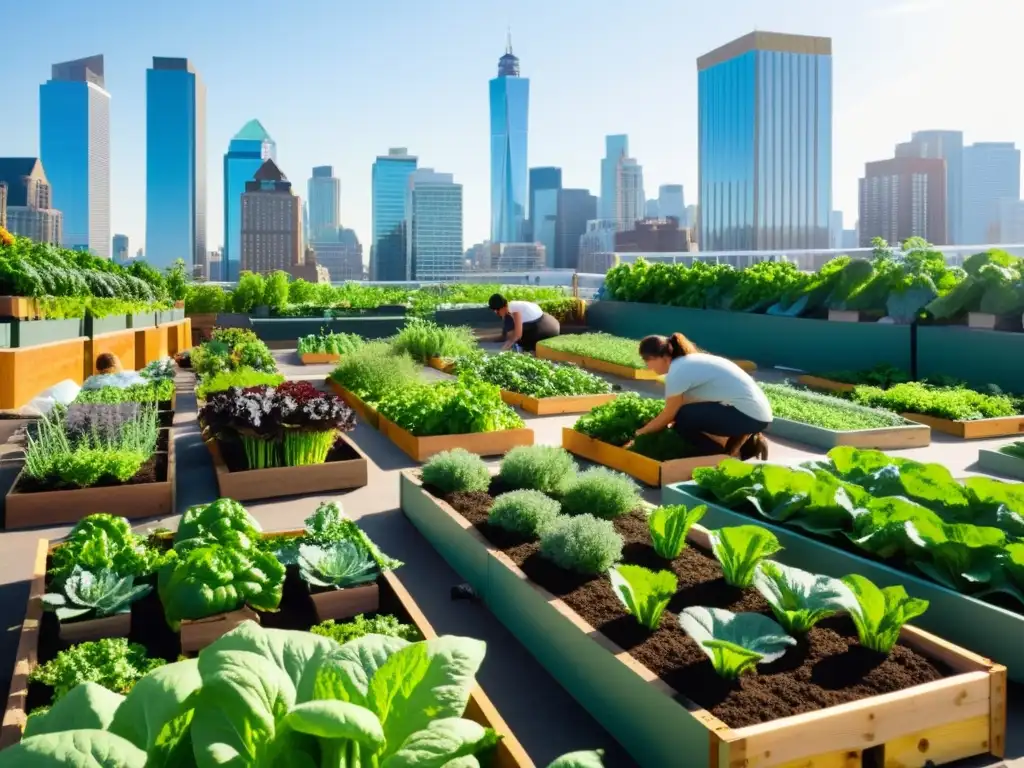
707, 395
525, 322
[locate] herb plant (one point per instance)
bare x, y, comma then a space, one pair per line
800, 599
152, 391
523, 512
599, 346
735, 642
584, 544
879, 614
825, 411
381, 624
644, 593
616, 422
329, 343
461, 406
669, 526
242, 378
740, 550
532, 376
1014, 449
545, 468
457, 471
601, 492
94, 595
423, 339
882, 375
374, 370
112, 662
337, 565
955, 403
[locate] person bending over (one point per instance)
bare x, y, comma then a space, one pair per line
108, 363
707, 395
525, 323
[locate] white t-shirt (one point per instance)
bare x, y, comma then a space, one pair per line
711, 378
530, 312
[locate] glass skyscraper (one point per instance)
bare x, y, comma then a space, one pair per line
765, 143
510, 107
175, 164
991, 173
548, 177
390, 183
74, 140
324, 209
433, 221
247, 152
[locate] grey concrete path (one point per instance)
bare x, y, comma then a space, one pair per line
544, 718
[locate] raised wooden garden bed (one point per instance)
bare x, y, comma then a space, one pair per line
826, 385
121, 344
626, 372
441, 364
480, 443
547, 406
196, 634
975, 429
1001, 463
345, 468
27, 371
955, 717
988, 629
319, 358
644, 469
118, 625
394, 599
150, 345
135, 501
363, 411
340, 604
20, 307
908, 436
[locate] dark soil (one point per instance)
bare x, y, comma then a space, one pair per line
165, 418
153, 471
234, 454
828, 667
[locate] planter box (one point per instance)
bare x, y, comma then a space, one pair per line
636, 374
363, 411
179, 336
345, 603
173, 315
649, 471
253, 484
20, 307
957, 717
199, 633
987, 629
34, 333
909, 436
982, 356
547, 406
975, 429
150, 345
823, 384
118, 625
203, 324
319, 358
135, 502
441, 364
142, 320
24, 373
480, 443
94, 326
1000, 463
118, 343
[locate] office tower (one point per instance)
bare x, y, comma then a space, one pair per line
903, 197
390, 182
547, 177
949, 146
74, 140
271, 222
574, 208
120, 249
622, 184
305, 220
835, 230
599, 237
691, 217
342, 257
765, 143
433, 221
991, 173
214, 264
514, 257
3, 204
324, 204
175, 163
662, 235
510, 106
544, 221
851, 239
651, 209
29, 200
672, 203
248, 150
1011, 222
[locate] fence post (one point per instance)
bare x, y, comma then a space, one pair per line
575, 285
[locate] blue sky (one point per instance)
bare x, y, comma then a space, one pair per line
337, 82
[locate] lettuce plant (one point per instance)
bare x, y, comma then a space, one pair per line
740, 550
113, 663
89, 594
879, 614
103, 542
336, 566
735, 642
328, 525
800, 599
223, 521
643, 592
669, 526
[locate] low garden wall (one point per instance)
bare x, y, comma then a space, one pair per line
977, 356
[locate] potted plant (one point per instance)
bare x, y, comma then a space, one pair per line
95, 604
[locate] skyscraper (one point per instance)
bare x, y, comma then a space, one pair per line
28, 201
510, 107
390, 183
544, 221
271, 222
622, 184
324, 204
74, 140
433, 221
247, 152
575, 207
672, 203
765, 143
547, 177
903, 197
175, 164
949, 146
991, 173
120, 249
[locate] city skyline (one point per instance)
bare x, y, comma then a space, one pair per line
879, 99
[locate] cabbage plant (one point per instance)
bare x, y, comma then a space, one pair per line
94, 595
740, 549
879, 614
336, 566
800, 599
643, 592
735, 642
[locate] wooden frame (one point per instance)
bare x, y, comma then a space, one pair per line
441, 364
118, 625
319, 358
907, 436
507, 754
636, 374
976, 429
548, 406
957, 717
480, 443
823, 384
1001, 463
363, 411
135, 502
254, 484
649, 471
341, 604
20, 307
27, 371
196, 634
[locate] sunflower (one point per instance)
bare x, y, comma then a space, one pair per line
6, 238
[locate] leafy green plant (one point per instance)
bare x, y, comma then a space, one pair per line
455, 407
740, 550
735, 642
665, 445
583, 543
89, 594
669, 526
239, 377
457, 471
601, 492
955, 403
524, 512
825, 411
879, 614
336, 566
330, 343
205, 299
102, 542
882, 375
374, 370
643, 592
800, 599
599, 346
381, 624
157, 391
327, 526
545, 468
616, 422
1014, 449
423, 339
532, 376
223, 521
112, 662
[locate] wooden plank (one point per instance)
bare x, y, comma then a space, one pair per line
319, 358
27, 371
997, 713
828, 385
954, 656
623, 371
939, 746
363, 411
480, 443
441, 364
548, 406
975, 429
20, 307
26, 658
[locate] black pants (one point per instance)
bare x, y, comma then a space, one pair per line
695, 421
544, 327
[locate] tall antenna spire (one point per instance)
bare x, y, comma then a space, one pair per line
508, 44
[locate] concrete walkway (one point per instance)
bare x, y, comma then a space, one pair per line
543, 717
